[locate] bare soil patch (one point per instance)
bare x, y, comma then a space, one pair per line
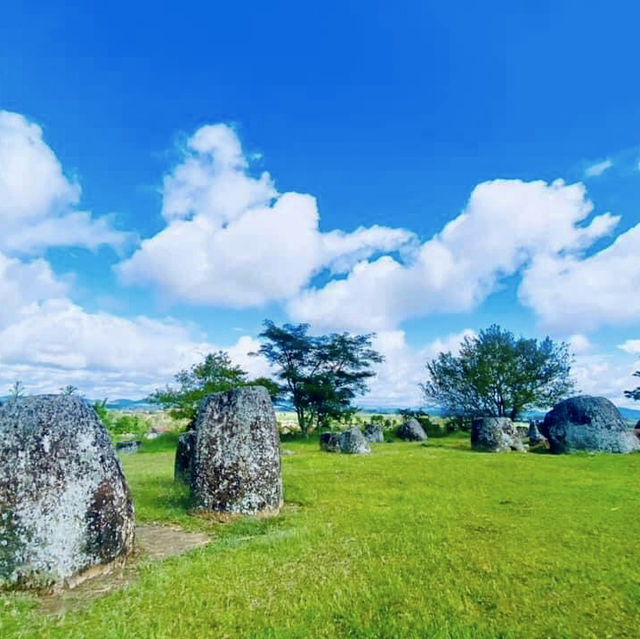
153, 542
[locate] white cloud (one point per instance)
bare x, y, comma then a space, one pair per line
32, 183
631, 346
569, 292
579, 344
231, 239
56, 342
505, 224
397, 382
23, 284
45, 339
37, 201
605, 375
598, 168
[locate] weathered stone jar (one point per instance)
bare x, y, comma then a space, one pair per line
184, 456
236, 463
588, 423
353, 442
495, 435
373, 433
65, 508
412, 431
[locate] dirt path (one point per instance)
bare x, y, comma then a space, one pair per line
153, 542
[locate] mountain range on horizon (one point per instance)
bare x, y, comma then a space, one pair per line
143, 404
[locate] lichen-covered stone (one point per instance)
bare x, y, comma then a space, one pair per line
352, 442
373, 433
495, 435
330, 442
534, 434
184, 456
412, 431
65, 508
588, 423
236, 465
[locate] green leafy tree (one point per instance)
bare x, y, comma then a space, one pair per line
104, 414
215, 374
500, 375
320, 375
635, 393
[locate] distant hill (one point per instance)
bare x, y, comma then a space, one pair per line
131, 404
630, 413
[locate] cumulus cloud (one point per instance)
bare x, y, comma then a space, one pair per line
398, 377
56, 342
571, 292
579, 344
598, 168
45, 339
37, 201
23, 284
231, 239
631, 346
605, 375
505, 224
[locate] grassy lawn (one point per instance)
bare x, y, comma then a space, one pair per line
412, 541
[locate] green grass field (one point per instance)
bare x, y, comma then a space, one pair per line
411, 541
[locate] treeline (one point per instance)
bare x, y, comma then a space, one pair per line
493, 374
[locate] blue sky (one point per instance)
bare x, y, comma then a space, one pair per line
396, 118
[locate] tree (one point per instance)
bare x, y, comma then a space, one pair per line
321, 375
70, 389
215, 374
499, 375
17, 390
635, 393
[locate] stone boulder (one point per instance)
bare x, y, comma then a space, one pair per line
412, 431
330, 442
236, 463
588, 423
128, 447
184, 457
65, 508
495, 435
352, 442
535, 436
373, 433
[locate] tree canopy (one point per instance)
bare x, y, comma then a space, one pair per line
500, 375
635, 393
215, 374
320, 375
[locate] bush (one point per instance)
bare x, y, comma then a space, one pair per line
457, 423
120, 423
